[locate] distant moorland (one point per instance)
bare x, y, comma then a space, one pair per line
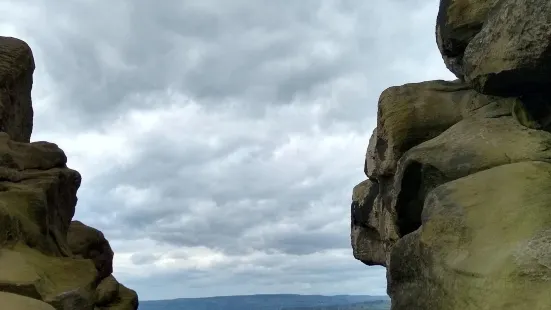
272, 302
366, 305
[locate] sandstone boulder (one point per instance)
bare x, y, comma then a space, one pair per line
457, 24
124, 300
408, 116
483, 244
107, 291
111, 295
373, 231
470, 146
413, 113
511, 55
459, 173
37, 195
48, 262
16, 79
87, 242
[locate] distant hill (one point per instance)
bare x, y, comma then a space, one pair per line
271, 302
366, 305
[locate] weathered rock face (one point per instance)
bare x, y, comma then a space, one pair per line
482, 244
371, 238
16, 80
87, 242
48, 261
408, 115
511, 55
458, 22
112, 295
500, 47
414, 113
459, 173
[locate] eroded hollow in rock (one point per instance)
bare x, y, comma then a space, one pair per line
416, 182
537, 109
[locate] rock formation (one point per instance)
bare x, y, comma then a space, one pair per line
456, 203
47, 260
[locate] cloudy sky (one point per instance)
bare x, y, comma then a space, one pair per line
219, 140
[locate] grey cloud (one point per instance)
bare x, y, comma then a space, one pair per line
260, 52
309, 242
294, 277
249, 193
259, 75
143, 258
